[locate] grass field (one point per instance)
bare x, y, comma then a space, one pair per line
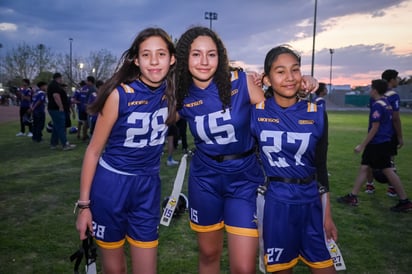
39, 187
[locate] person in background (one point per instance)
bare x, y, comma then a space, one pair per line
321, 92
80, 98
181, 125
26, 93
92, 117
391, 76
58, 104
38, 111
170, 145
292, 136
224, 172
377, 149
120, 180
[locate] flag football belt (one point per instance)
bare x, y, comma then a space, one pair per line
302, 181
221, 158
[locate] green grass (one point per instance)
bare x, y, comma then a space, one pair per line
39, 187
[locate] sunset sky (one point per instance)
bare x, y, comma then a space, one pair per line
367, 36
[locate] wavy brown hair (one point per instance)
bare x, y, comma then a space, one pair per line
127, 71
183, 75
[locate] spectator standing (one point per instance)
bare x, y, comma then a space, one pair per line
377, 149
26, 93
38, 111
181, 135
320, 93
92, 117
391, 77
58, 103
80, 98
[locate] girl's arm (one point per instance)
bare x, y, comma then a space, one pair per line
104, 125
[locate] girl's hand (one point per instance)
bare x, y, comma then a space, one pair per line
84, 222
330, 229
256, 77
309, 84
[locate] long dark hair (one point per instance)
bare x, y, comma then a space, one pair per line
127, 71
271, 57
183, 75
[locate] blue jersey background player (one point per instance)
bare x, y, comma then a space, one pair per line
320, 94
120, 182
293, 137
377, 149
38, 110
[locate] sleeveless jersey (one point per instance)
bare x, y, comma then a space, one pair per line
381, 111
136, 141
216, 132
288, 137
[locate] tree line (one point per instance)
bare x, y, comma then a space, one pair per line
39, 62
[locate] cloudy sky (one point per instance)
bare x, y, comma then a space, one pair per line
368, 36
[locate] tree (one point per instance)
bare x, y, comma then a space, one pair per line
101, 64
27, 61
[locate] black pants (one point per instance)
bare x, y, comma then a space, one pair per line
181, 133
39, 120
23, 111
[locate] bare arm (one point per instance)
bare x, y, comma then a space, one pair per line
330, 228
256, 93
101, 133
369, 137
396, 120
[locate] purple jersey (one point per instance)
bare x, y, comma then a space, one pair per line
218, 132
26, 102
136, 141
393, 99
82, 97
381, 111
288, 137
39, 96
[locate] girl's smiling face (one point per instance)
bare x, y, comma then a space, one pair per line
203, 60
154, 61
285, 78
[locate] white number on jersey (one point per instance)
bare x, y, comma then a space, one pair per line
148, 120
276, 138
273, 254
223, 134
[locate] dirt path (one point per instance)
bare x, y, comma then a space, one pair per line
9, 113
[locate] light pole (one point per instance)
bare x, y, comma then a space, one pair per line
71, 70
1, 67
40, 47
210, 16
314, 36
81, 66
331, 51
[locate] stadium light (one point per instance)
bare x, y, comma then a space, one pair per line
314, 36
210, 16
331, 51
71, 70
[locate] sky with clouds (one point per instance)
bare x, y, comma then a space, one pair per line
367, 36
